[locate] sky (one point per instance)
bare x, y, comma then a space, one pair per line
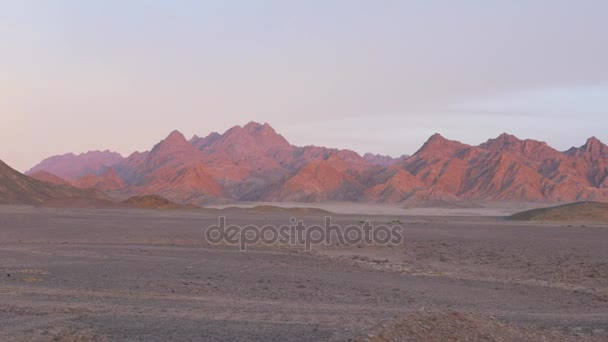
372, 76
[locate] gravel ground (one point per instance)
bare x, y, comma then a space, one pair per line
107, 275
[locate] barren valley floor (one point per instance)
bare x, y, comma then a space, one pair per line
150, 276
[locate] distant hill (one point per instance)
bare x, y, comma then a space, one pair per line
267, 209
16, 188
582, 211
155, 202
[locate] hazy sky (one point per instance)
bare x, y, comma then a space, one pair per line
373, 76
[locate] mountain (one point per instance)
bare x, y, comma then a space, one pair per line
593, 149
16, 188
247, 143
500, 176
528, 149
440, 162
172, 169
246, 160
107, 181
203, 143
252, 161
592, 160
255, 163
508, 169
48, 178
172, 151
438, 146
378, 159
399, 187
188, 183
318, 181
243, 163
71, 167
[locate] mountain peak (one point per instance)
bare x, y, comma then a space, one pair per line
255, 133
502, 141
593, 149
203, 142
174, 141
175, 136
174, 148
529, 149
252, 125
506, 137
439, 145
258, 128
593, 141
436, 138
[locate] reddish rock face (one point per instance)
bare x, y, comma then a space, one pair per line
255, 163
591, 160
172, 151
243, 151
593, 149
528, 149
380, 160
107, 181
510, 169
398, 188
172, 169
438, 146
319, 181
188, 183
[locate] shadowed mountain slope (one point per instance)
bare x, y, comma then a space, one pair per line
16, 188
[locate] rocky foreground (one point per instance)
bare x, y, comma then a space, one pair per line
142, 275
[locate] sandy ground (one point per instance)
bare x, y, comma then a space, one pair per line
106, 275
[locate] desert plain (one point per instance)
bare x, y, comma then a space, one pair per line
150, 275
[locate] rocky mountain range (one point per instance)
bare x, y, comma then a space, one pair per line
255, 163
